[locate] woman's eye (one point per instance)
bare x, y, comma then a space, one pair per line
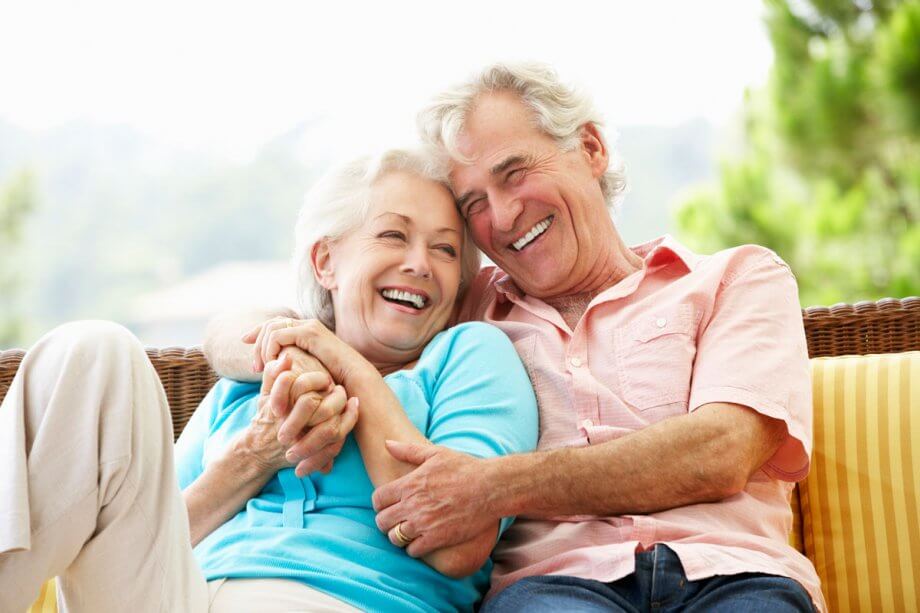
392, 234
449, 250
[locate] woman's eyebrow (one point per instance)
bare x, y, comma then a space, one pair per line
406, 220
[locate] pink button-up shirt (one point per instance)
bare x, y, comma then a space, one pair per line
684, 331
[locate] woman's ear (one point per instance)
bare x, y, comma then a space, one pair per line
323, 269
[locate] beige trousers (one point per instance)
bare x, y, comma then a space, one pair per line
88, 490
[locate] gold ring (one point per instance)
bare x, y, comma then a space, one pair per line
289, 323
401, 539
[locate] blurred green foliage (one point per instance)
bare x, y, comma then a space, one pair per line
17, 201
830, 174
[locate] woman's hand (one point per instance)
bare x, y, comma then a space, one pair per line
341, 361
259, 444
258, 335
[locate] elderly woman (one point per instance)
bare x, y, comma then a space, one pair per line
89, 489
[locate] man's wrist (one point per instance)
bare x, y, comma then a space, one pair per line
505, 479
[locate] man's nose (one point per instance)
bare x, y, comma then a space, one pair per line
416, 262
505, 210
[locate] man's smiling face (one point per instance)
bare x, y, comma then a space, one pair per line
537, 211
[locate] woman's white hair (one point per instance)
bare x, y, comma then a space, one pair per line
339, 203
559, 110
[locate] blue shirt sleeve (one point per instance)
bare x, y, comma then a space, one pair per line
188, 453
483, 402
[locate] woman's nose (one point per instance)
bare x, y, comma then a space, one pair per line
416, 263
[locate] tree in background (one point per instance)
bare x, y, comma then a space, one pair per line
830, 175
17, 200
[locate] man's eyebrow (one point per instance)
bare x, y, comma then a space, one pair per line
507, 163
498, 169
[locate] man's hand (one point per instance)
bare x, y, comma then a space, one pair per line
445, 501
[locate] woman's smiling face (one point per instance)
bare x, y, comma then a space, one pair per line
395, 279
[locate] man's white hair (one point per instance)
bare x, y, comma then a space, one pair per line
559, 110
339, 203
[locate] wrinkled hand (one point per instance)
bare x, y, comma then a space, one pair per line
258, 336
315, 416
259, 440
337, 357
445, 501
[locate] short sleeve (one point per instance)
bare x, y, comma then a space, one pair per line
188, 452
752, 352
483, 403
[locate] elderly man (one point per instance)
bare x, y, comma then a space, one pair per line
673, 387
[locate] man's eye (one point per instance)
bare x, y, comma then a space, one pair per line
476, 206
515, 175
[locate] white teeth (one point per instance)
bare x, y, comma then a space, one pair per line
534, 232
395, 294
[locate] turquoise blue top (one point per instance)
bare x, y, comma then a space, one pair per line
468, 391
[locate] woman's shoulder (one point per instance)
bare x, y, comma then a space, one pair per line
468, 336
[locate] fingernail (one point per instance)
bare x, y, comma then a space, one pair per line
290, 456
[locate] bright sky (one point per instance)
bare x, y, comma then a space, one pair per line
227, 76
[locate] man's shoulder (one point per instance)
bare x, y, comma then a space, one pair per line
735, 262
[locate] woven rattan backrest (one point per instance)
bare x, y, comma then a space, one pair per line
886, 326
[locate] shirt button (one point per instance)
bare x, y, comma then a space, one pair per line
661, 322
575, 361
587, 424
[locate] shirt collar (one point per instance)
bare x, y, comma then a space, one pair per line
655, 253
664, 250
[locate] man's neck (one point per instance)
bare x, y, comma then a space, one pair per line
617, 264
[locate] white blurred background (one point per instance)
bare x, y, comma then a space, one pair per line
163, 148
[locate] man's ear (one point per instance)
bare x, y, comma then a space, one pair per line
594, 149
321, 259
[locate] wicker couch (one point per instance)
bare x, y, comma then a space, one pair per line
862, 535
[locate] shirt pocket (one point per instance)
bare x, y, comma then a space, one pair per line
655, 357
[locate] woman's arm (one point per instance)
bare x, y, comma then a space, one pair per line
225, 485
382, 418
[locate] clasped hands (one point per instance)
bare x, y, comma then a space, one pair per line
303, 416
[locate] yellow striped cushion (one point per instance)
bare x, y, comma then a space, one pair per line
47, 599
861, 501
795, 537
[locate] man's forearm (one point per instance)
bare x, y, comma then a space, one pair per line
676, 462
226, 353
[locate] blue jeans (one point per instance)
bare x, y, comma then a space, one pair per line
658, 585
